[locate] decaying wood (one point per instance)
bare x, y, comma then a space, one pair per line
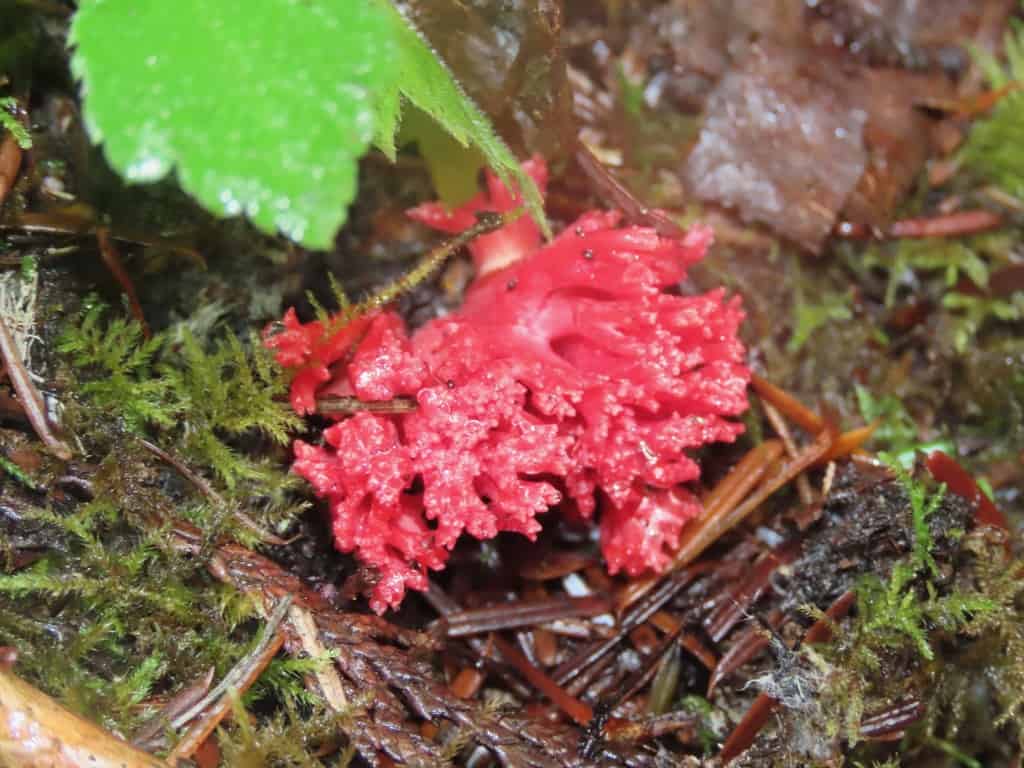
10, 162
36, 731
111, 257
383, 670
327, 676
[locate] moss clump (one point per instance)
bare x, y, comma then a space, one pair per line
289, 739
941, 621
995, 148
109, 616
205, 407
203, 399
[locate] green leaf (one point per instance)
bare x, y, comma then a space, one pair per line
9, 122
426, 82
453, 167
263, 107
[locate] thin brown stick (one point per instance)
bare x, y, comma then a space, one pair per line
523, 614
207, 490
640, 677
949, 225
803, 487
110, 256
668, 623
701, 534
237, 681
848, 442
10, 163
749, 642
640, 611
580, 713
241, 669
336, 405
956, 224
80, 221
28, 395
742, 478
892, 723
970, 106
615, 193
183, 700
790, 407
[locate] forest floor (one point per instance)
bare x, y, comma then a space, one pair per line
852, 595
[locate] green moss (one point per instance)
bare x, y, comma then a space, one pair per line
809, 316
936, 268
115, 367
207, 407
112, 614
972, 312
995, 147
288, 739
896, 433
227, 394
283, 681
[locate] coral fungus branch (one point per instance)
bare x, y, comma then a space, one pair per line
573, 375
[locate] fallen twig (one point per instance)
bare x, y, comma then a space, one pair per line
522, 614
10, 163
803, 487
616, 195
28, 395
338, 405
110, 256
949, 225
180, 702
580, 713
956, 224
217, 703
790, 407
642, 610
207, 490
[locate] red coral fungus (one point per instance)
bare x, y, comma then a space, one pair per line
572, 373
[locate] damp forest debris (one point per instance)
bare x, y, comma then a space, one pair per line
165, 572
912, 641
